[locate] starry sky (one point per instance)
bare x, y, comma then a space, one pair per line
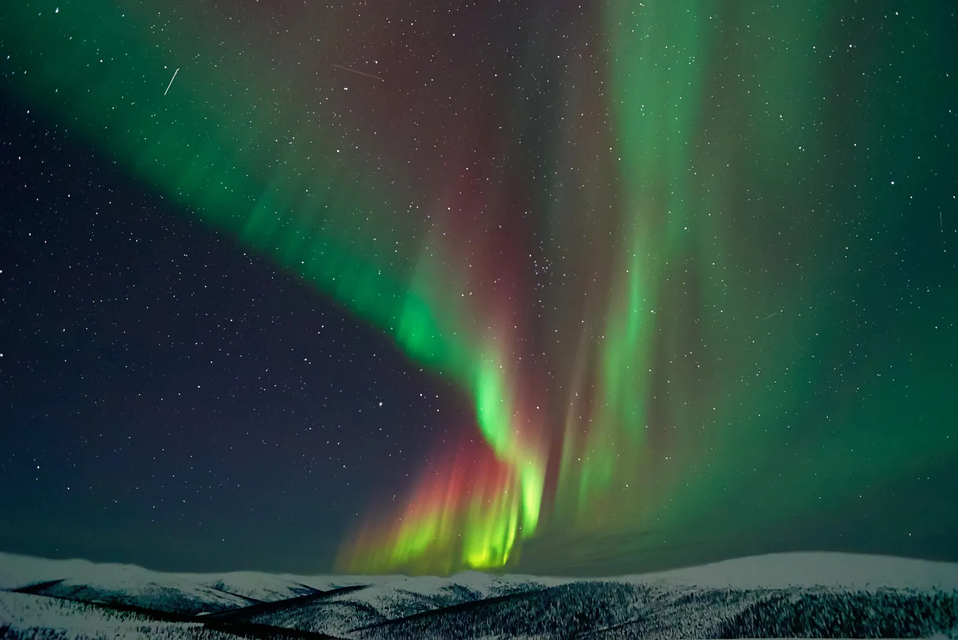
552, 287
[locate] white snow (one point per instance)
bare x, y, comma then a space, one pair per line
27, 612
227, 590
813, 569
491, 585
383, 597
780, 570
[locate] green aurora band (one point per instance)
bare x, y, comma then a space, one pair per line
687, 369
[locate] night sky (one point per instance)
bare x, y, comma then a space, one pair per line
550, 287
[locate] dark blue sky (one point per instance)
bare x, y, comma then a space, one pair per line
167, 398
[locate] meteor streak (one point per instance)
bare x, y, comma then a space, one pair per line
362, 73
171, 81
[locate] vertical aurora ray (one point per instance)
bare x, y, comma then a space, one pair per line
641, 269
472, 506
652, 109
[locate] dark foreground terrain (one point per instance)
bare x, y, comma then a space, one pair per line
776, 596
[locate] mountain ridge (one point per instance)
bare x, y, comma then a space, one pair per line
800, 594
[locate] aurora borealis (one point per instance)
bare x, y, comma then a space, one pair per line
691, 264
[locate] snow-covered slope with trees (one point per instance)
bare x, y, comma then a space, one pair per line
780, 595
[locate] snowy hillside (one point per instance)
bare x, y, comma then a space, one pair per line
28, 616
340, 611
783, 570
781, 595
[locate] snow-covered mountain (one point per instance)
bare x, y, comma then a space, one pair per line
780, 595
131, 586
